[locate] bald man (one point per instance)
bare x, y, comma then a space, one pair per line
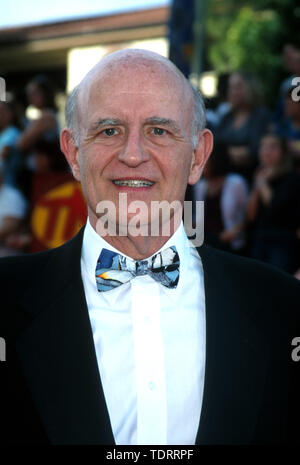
128, 334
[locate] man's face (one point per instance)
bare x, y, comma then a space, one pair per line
135, 138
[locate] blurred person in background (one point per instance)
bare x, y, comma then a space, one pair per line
291, 63
48, 161
44, 127
49, 158
40, 95
226, 196
13, 209
291, 58
274, 205
222, 106
10, 157
20, 104
288, 127
242, 127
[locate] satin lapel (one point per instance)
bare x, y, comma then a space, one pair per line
235, 360
58, 357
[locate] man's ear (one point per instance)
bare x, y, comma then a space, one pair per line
70, 151
200, 155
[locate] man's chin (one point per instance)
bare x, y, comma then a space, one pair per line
130, 226
136, 227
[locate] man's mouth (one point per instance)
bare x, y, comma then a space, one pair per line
133, 183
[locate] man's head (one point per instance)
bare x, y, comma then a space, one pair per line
133, 118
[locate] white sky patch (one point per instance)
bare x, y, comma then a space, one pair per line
19, 12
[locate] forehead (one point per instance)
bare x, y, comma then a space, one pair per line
129, 85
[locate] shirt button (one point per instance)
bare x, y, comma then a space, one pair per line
151, 385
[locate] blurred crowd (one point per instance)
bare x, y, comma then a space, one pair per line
251, 183
29, 147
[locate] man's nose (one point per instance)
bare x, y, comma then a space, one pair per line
134, 151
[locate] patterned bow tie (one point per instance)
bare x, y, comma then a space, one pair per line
113, 269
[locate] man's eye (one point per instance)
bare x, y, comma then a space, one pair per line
110, 132
159, 131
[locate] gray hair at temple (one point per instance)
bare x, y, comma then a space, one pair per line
71, 113
199, 120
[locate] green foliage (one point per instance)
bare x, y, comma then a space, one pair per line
238, 49
249, 36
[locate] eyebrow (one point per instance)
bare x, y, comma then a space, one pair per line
164, 122
155, 120
105, 122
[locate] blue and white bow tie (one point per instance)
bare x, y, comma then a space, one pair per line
113, 269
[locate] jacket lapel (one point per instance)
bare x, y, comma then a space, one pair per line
58, 356
236, 360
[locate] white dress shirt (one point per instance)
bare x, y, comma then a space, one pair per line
150, 347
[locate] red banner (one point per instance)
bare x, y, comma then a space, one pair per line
58, 210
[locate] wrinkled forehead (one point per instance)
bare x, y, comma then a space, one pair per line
138, 76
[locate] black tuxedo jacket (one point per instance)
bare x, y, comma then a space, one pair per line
50, 385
